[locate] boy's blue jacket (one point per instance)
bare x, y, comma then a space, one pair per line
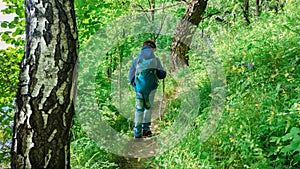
146, 53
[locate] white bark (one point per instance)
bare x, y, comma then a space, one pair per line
46, 93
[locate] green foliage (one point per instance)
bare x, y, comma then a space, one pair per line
92, 15
187, 153
260, 126
9, 70
16, 27
85, 153
293, 141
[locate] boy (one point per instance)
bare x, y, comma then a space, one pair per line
144, 73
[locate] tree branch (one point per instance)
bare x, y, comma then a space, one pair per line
212, 14
162, 21
145, 13
149, 3
155, 9
184, 2
219, 19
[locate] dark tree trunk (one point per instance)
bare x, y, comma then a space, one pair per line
246, 11
152, 6
184, 33
45, 98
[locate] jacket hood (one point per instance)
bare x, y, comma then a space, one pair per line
146, 53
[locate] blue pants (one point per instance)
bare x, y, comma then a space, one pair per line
143, 113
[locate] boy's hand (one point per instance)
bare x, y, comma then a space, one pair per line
161, 74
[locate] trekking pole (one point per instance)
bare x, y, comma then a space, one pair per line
163, 92
163, 96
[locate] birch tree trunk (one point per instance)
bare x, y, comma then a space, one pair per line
45, 97
184, 33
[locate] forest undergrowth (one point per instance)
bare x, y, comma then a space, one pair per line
260, 122
260, 126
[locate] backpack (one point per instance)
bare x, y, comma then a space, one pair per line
145, 76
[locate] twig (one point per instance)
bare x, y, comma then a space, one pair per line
144, 13
161, 24
184, 2
155, 9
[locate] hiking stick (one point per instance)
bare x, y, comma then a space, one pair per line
163, 92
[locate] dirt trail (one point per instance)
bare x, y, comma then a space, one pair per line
147, 147
139, 152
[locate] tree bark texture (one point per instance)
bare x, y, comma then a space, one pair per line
45, 97
184, 33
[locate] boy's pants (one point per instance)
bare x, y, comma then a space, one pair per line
143, 113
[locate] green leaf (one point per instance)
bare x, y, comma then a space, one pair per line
292, 134
287, 149
275, 139
12, 24
17, 32
203, 155
4, 24
5, 37
297, 157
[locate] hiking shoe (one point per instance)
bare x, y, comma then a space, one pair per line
147, 133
